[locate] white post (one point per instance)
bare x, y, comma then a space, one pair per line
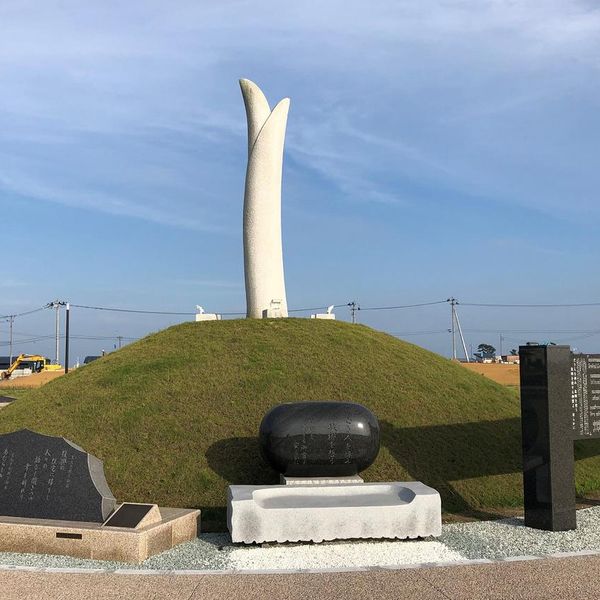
10, 343
452, 301
57, 331
462, 337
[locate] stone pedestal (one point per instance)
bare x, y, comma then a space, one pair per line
320, 480
165, 528
207, 317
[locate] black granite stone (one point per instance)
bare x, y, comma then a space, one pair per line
547, 430
128, 515
319, 439
47, 477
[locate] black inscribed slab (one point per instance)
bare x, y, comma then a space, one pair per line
47, 477
129, 515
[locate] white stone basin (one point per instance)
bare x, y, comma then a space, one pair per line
335, 496
282, 513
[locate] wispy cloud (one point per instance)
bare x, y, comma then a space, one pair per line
515, 247
95, 201
449, 93
13, 283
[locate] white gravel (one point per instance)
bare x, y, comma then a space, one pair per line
333, 555
492, 540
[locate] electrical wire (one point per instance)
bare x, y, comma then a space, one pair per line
401, 306
431, 332
575, 305
131, 310
23, 314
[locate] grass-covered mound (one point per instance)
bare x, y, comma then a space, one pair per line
175, 415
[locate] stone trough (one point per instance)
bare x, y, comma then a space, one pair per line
317, 513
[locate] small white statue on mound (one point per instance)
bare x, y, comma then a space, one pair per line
328, 315
204, 316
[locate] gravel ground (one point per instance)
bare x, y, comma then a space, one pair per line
459, 541
509, 537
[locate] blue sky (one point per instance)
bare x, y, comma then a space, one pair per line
434, 149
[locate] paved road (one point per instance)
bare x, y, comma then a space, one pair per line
564, 578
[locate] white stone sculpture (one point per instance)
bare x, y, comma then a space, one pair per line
328, 315
263, 253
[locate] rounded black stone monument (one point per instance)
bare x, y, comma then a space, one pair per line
319, 439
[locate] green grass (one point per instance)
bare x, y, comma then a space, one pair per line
175, 415
15, 392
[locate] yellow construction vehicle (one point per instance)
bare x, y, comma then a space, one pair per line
37, 364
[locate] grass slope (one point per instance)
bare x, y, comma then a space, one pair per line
175, 415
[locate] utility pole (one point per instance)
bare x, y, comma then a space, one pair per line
452, 312
120, 339
11, 320
462, 337
57, 330
67, 315
353, 308
501, 340
456, 325
56, 304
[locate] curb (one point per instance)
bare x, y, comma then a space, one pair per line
415, 566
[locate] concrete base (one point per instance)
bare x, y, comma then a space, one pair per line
207, 317
257, 514
320, 480
92, 540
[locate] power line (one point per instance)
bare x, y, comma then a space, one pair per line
367, 308
23, 314
76, 337
131, 310
430, 332
308, 309
574, 305
530, 330
26, 341
164, 312
402, 306
82, 336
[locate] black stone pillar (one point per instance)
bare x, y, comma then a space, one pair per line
546, 421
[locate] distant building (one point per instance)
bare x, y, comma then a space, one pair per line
511, 359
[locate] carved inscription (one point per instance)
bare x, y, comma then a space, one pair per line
48, 477
585, 395
338, 440
319, 439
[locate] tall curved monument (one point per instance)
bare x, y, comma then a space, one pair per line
263, 252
